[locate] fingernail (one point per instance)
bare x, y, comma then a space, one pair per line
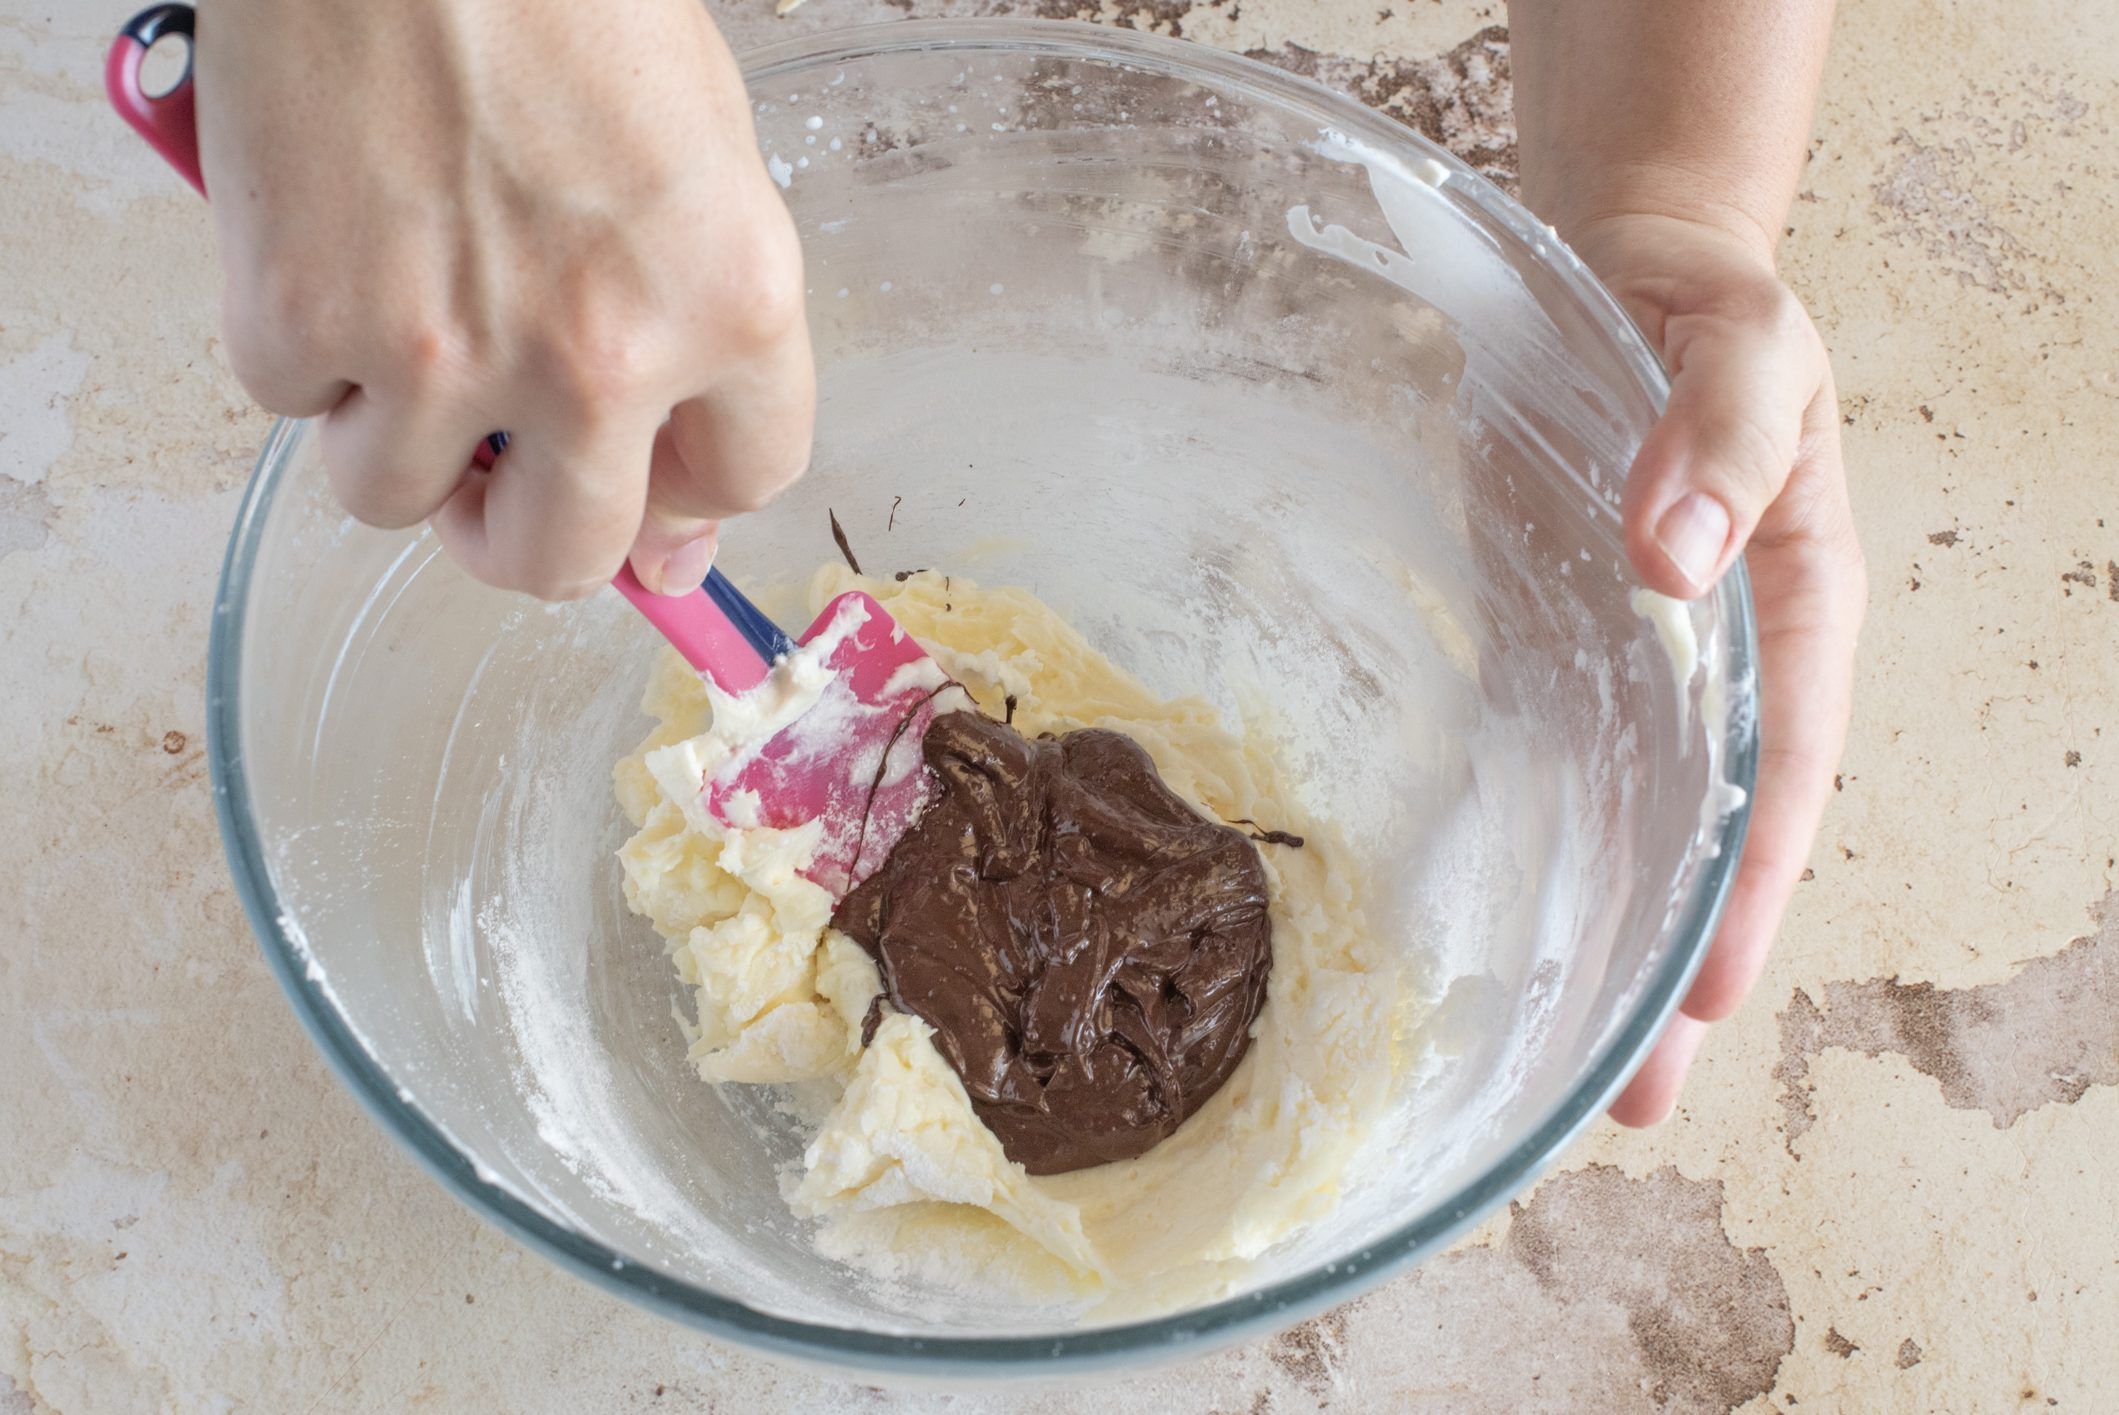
687, 565
1692, 533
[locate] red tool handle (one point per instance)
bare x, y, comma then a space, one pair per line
169, 123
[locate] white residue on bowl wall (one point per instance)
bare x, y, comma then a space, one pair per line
1672, 621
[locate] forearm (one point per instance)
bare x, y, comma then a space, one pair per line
1692, 108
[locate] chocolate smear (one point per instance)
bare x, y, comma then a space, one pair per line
1090, 951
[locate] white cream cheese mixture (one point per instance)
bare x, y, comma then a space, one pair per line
901, 1175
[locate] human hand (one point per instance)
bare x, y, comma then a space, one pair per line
443, 217
1747, 454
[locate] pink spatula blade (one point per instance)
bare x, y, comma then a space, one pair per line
852, 761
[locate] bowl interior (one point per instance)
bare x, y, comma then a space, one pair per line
1278, 406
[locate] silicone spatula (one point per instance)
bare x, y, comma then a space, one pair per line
850, 761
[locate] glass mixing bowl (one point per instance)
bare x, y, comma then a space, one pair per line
1276, 402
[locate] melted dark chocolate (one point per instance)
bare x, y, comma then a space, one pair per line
1090, 951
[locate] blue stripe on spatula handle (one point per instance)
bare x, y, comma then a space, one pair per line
765, 636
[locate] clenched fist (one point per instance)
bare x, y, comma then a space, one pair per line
439, 218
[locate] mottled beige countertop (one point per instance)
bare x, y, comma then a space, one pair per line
1891, 1185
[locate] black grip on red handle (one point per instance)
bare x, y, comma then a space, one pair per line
169, 122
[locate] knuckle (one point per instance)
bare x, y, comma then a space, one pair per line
424, 355
598, 359
762, 302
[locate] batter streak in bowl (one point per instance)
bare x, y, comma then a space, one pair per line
902, 1173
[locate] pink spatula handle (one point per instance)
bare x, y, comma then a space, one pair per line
698, 629
692, 622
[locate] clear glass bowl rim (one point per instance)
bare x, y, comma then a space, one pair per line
1160, 1339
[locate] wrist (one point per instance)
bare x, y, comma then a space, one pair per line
1585, 210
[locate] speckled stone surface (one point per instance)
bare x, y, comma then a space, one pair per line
1891, 1185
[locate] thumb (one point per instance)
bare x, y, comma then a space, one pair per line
1740, 380
675, 548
